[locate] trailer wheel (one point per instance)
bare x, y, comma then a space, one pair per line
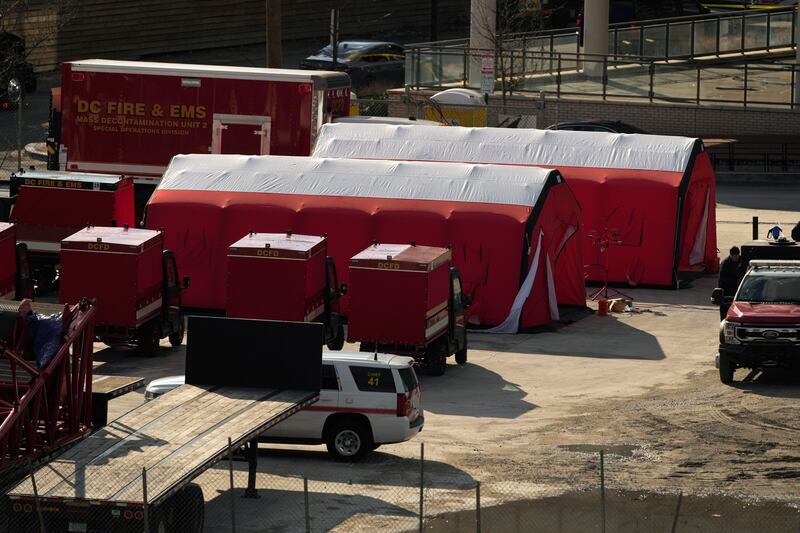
337, 342
190, 503
461, 355
349, 440
176, 338
148, 339
726, 369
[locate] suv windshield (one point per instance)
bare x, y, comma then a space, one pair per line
770, 287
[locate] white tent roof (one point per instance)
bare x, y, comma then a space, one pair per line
547, 148
457, 182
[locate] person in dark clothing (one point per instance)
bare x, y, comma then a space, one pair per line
796, 233
730, 275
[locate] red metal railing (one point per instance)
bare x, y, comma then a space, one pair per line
42, 409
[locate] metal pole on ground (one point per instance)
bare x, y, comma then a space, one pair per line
36, 499
602, 492
421, 484
677, 512
145, 504
308, 512
233, 498
478, 507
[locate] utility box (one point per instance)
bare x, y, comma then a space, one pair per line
399, 294
8, 261
119, 267
277, 276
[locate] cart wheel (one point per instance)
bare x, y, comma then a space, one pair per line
337, 342
436, 359
461, 355
176, 338
148, 339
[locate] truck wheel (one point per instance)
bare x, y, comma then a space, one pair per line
726, 369
461, 356
148, 339
349, 440
337, 342
436, 359
176, 338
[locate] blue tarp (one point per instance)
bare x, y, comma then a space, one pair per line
46, 332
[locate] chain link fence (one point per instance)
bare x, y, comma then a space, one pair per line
414, 495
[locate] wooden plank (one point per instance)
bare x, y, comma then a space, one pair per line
174, 437
113, 386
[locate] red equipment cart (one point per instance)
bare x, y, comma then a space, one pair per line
426, 316
285, 276
15, 275
134, 281
49, 206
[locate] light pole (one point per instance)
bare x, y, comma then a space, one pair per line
14, 91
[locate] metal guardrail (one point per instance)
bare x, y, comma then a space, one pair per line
711, 35
604, 77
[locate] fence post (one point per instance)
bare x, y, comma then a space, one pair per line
36, 498
699, 81
605, 77
478, 507
421, 484
755, 228
652, 70
602, 492
145, 503
308, 511
233, 497
745, 86
677, 512
769, 29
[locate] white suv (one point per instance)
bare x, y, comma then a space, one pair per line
365, 400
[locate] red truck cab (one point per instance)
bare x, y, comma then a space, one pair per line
762, 327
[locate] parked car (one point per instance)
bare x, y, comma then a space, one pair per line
16, 74
608, 126
738, 5
620, 11
365, 401
373, 66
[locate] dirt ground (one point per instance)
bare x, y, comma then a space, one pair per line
528, 414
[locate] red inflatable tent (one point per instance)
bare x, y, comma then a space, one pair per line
511, 228
656, 193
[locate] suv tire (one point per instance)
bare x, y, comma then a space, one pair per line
337, 342
349, 440
726, 369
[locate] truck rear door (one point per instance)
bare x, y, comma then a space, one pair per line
241, 134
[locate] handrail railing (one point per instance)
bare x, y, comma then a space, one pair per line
713, 34
606, 77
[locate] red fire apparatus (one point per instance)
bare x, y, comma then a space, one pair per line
15, 275
285, 276
133, 280
427, 323
131, 117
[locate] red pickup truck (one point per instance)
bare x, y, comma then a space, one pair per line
762, 327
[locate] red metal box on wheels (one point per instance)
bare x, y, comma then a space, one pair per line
122, 269
399, 294
50, 206
8, 261
277, 276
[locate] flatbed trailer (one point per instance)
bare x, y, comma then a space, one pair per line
174, 438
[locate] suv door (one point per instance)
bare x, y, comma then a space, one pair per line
308, 423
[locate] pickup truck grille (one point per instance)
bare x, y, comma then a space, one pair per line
779, 333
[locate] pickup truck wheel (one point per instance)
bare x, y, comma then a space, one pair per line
176, 338
148, 339
337, 342
726, 369
349, 441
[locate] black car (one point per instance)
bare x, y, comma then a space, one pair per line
373, 66
608, 126
738, 5
15, 72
